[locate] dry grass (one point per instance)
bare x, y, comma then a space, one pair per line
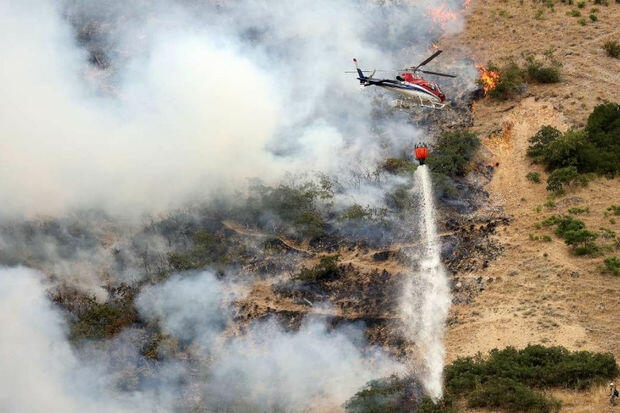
540, 293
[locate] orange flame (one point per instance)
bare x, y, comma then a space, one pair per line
442, 14
466, 4
488, 78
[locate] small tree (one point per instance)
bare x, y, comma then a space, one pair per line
561, 178
452, 152
541, 140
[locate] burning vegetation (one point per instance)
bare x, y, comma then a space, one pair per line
489, 78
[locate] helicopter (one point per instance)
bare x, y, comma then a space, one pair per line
409, 83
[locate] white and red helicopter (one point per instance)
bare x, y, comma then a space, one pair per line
408, 83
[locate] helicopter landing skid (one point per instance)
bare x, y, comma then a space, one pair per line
410, 103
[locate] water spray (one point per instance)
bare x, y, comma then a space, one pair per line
426, 296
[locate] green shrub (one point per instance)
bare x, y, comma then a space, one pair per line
565, 224
533, 177
398, 166
581, 4
601, 153
587, 248
582, 22
452, 152
595, 149
535, 366
102, 321
393, 395
512, 396
326, 270
615, 209
536, 71
579, 210
603, 2
561, 178
607, 233
565, 151
207, 248
400, 198
575, 234
612, 48
540, 141
510, 83
612, 265
293, 208
575, 13
593, 17
356, 212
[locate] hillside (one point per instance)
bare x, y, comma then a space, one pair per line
537, 292
203, 213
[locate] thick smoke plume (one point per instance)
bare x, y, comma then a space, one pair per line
136, 108
267, 369
190, 97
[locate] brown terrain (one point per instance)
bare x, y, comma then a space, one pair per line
536, 292
532, 292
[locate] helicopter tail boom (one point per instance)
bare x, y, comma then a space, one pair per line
362, 78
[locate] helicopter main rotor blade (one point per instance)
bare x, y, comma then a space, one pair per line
378, 71
437, 73
434, 55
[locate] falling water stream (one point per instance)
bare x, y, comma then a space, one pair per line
426, 298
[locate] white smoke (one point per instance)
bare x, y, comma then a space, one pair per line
265, 370
41, 373
184, 120
200, 97
271, 369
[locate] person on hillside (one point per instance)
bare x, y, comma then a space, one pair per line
613, 393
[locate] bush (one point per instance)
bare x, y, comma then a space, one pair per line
391, 395
612, 265
602, 153
587, 248
452, 152
534, 366
578, 210
398, 166
533, 177
540, 141
615, 209
326, 270
293, 208
612, 48
511, 395
208, 248
103, 321
538, 72
565, 151
510, 83
595, 149
561, 178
